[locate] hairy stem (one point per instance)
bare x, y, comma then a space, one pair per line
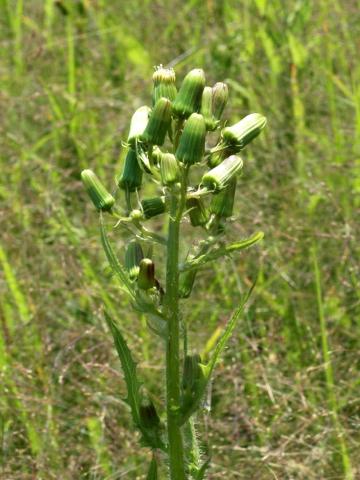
175, 441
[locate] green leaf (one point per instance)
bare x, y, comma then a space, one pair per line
208, 369
152, 473
115, 265
151, 437
201, 473
221, 252
129, 368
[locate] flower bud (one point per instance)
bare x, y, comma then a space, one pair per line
159, 123
156, 155
101, 198
222, 203
206, 108
133, 257
169, 169
220, 94
217, 156
240, 134
192, 377
192, 141
146, 277
137, 125
188, 99
148, 416
153, 206
136, 215
218, 177
164, 84
186, 283
131, 177
197, 212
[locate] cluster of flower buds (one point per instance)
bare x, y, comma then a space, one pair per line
163, 143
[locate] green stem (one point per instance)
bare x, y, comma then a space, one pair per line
176, 448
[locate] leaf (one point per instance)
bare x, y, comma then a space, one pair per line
115, 265
209, 367
152, 473
222, 251
129, 368
201, 473
151, 437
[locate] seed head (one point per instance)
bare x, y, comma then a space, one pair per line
192, 141
240, 134
217, 178
146, 277
131, 177
159, 123
101, 198
188, 99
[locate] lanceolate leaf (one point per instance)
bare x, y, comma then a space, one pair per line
209, 367
129, 368
222, 251
114, 262
151, 436
201, 473
152, 473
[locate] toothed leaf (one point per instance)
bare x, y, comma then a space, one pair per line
221, 252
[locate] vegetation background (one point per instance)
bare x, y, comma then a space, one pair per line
286, 398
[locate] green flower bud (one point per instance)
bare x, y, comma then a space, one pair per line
240, 134
222, 203
192, 377
146, 277
192, 141
101, 198
197, 212
133, 257
169, 169
220, 94
164, 84
138, 124
186, 283
188, 99
131, 177
153, 206
136, 215
217, 156
156, 155
206, 108
148, 416
159, 123
218, 177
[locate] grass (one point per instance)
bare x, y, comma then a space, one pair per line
285, 403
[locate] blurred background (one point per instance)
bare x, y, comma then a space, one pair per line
285, 400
